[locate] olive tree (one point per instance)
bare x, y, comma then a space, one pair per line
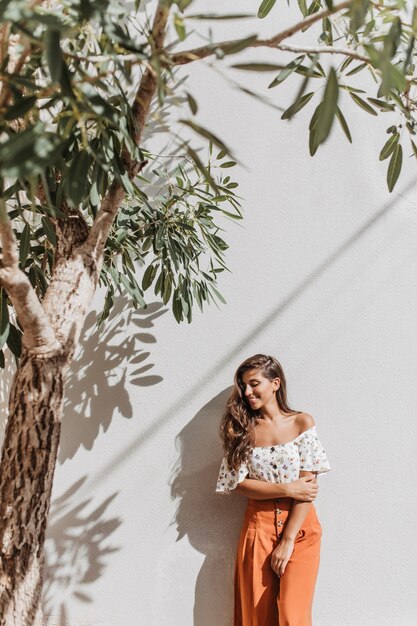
82, 83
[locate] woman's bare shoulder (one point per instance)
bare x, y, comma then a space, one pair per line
304, 421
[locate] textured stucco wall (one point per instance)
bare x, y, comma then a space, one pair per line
324, 275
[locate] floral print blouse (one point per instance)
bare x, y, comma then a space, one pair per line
280, 463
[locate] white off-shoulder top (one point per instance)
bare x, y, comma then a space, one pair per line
280, 463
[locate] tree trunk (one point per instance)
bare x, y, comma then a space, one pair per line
28, 461
51, 332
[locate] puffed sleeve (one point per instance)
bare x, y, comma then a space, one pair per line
229, 479
313, 457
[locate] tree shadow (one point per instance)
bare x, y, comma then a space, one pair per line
6, 379
211, 521
106, 361
76, 548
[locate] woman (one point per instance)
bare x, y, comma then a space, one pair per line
272, 456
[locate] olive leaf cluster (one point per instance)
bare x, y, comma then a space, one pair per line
369, 36
69, 74
65, 122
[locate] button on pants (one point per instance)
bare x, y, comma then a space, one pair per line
262, 598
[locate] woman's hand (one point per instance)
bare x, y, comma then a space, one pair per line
303, 488
281, 555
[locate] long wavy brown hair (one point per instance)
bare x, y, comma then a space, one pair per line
237, 427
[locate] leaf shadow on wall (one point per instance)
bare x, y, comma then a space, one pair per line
106, 361
210, 521
76, 547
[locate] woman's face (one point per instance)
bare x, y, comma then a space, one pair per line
258, 390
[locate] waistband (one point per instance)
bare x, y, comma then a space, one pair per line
270, 504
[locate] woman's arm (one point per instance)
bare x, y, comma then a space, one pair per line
282, 553
261, 489
305, 488
299, 512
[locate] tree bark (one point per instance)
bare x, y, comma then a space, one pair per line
51, 332
28, 462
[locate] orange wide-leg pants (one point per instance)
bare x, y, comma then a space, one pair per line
262, 598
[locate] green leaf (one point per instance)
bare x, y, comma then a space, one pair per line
265, 7
49, 230
191, 103
369, 28
24, 245
357, 69
328, 110
133, 289
351, 89
257, 67
29, 151
149, 276
392, 38
200, 166
389, 147
179, 26
373, 54
413, 145
214, 16
385, 106
207, 134
167, 289
177, 307
40, 278
19, 108
411, 128
241, 44
312, 139
286, 71
77, 178
394, 167
345, 64
108, 305
313, 8
66, 81
3, 7
297, 106
362, 103
14, 341
183, 4
308, 71
357, 11
392, 77
409, 52
54, 54
343, 124
218, 294
303, 7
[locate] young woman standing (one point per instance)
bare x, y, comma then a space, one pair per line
272, 456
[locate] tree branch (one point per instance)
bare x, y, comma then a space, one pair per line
78, 275
94, 246
70, 231
37, 332
325, 49
181, 58
13, 69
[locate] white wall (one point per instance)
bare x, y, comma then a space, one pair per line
324, 278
